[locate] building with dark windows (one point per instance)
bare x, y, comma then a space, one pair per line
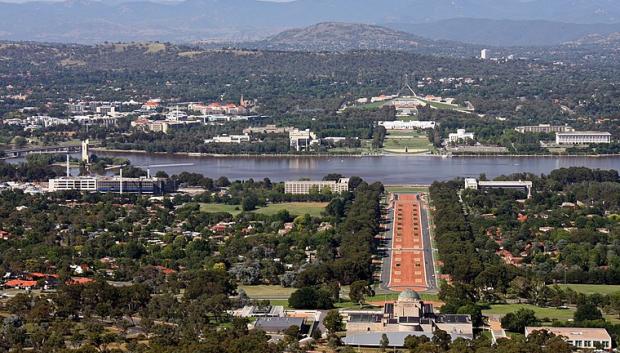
151, 186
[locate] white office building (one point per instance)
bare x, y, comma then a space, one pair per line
460, 135
73, 183
544, 128
582, 137
229, 139
484, 54
305, 187
407, 125
301, 140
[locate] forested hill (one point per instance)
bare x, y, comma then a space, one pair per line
288, 82
140, 71
336, 36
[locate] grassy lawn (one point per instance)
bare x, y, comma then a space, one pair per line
267, 292
280, 302
412, 141
375, 105
278, 295
295, 208
592, 288
541, 313
219, 207
440, 105
405, 189
366, 148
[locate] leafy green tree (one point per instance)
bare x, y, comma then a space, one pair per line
517, 321
310, 298
442, 339
358, 292
249, 202
333, 321
587, 311
292, 332
384, 342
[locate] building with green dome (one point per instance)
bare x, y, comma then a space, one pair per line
408, 315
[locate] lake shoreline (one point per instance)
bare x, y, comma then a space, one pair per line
323, 155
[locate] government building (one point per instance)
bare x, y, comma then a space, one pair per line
582, 137
306, 187
544, 128
408, 316
155, 186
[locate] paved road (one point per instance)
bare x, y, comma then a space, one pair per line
429, 260
429, 266
386, 267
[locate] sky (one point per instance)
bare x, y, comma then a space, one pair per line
21, 1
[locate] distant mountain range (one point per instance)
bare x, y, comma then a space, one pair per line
506, 32
87, 21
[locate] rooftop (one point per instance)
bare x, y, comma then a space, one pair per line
397, 339
584, 133
408, 294
574, 333
277, 324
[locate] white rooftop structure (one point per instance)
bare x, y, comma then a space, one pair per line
305, 187
407, 125
578, 337
460, 135
582, 137
472, 183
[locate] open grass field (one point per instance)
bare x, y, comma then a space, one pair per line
541, 313
295, 208
404, 189
267, 292
409, 141
218, 207
592, 288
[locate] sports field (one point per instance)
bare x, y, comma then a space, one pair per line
407, 267
294, 208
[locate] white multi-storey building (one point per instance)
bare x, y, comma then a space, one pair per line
229, 139
582, 137
407, 125
460, 135
73, 183
544, 128
305, 187
302, 139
